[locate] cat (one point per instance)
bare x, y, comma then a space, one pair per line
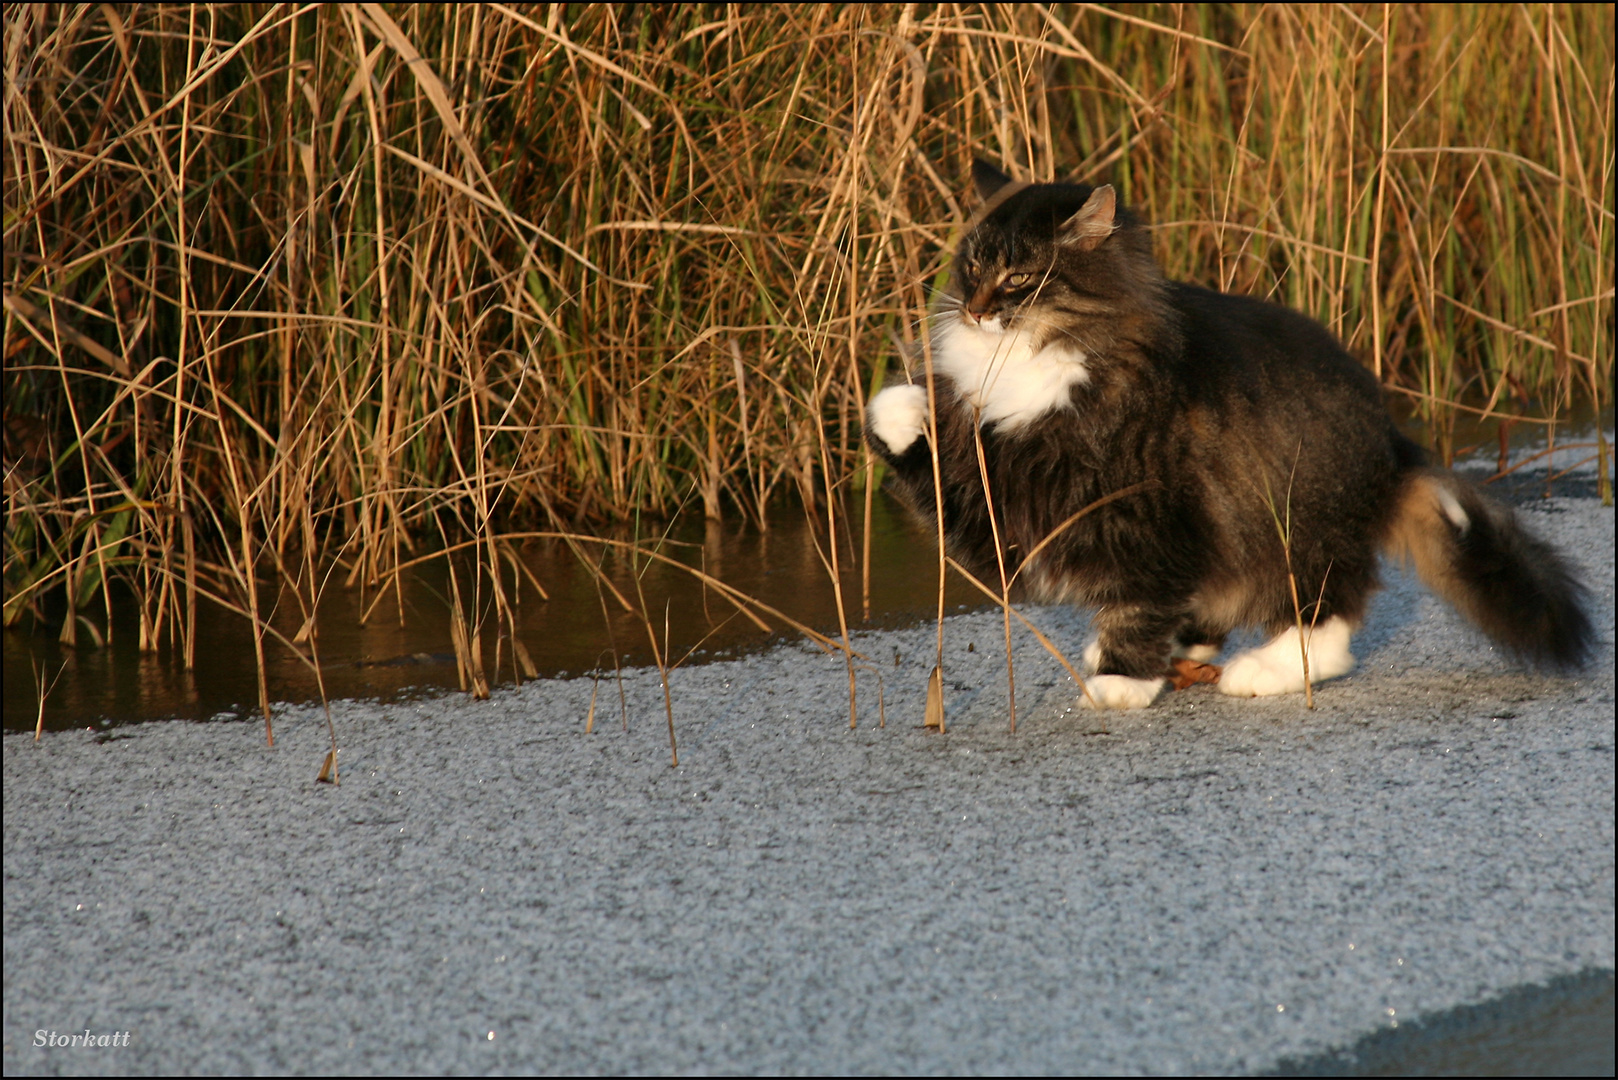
1060, 349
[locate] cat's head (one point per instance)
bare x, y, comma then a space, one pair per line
1045, 256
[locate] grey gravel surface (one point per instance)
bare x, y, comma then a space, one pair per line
1209, 885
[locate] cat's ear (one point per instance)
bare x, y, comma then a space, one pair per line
987, 179
1094, 222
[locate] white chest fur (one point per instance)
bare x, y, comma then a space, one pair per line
1003, 374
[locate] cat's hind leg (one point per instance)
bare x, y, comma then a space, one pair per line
1197, 643
1277, 667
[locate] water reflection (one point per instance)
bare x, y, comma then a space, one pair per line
404, 647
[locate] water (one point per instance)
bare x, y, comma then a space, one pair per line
404, 647
1562, 1029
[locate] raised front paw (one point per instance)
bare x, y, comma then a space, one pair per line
897, 416
1122, 692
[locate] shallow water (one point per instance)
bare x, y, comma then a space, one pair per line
405, 646
1563, 1029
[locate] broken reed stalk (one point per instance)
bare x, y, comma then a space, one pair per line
662, 669
1314, 618
1283, 529
865, 537
1000, 565
833, 567
934, 713
1303, 639
311, 636
598, 577
41, 692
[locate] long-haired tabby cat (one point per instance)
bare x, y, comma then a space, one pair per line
1082, 371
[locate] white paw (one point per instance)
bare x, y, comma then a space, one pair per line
1200, 654
1092, 656
1254, 674
1277, 668
897, 416
1122, 692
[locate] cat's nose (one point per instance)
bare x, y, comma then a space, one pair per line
978, 308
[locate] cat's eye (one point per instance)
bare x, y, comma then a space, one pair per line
1017, 281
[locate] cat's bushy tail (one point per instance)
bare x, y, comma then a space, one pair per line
1475, 554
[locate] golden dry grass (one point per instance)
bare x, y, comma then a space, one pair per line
301, 291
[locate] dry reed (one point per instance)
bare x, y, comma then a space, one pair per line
306, 291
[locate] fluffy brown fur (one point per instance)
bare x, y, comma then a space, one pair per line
1081, 371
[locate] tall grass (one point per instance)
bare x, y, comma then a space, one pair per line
303, 292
